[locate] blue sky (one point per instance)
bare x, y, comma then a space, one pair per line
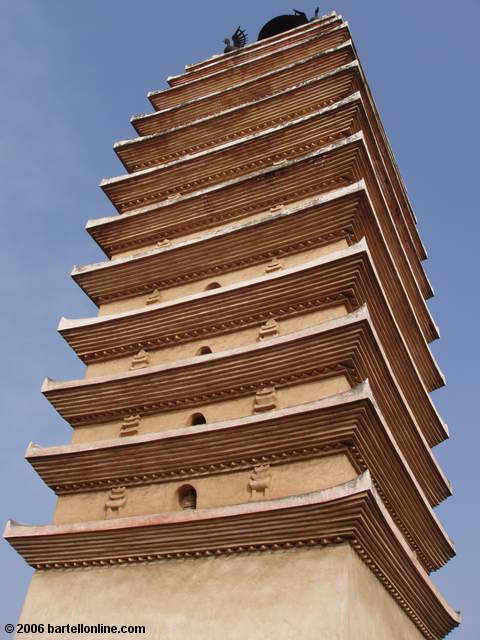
72, 74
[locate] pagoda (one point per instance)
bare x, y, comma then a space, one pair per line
252, 443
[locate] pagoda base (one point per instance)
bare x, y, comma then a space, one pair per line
303, 594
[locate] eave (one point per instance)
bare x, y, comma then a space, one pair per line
259, 150
337, 164
238, 157
350, 513
346, 346
261, 86
291, 34
240, 120
288, 105
269, 84
397, 181
250, 68
346, 213
345, 277
349, 422
321, 170
269, 46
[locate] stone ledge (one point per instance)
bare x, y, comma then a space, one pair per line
348, 422
346, 277
254, 50
346, 346
218, 59
351, 513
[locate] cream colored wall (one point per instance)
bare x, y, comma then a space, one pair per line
215, 412
174, 293
372, 611
299, 594
212, 491
216, 343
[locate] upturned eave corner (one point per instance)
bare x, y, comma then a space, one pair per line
345, 513
258, 376
95, 466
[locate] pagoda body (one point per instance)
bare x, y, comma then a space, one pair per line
252, 442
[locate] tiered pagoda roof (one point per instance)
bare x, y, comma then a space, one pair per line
273, 152
351, 513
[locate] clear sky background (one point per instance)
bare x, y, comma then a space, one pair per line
72, 74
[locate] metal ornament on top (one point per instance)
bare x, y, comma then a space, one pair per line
282, 23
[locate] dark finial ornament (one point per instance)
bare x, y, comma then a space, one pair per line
239, 40
285, 23
301, 14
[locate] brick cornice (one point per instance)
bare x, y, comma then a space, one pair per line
346, 213
227, 249
257, 114
345, 277
241, 72
350, 513
274, 145
295, 102
348, 345
271, 146
260, 86
272, 186
349, 422
192, 111
222, 62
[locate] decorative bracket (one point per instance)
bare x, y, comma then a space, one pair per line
116, 501
265, 400
268, 330
154, 297
259, 482
273, 265
140, 360
130, 426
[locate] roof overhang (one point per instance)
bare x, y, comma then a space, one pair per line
349, 422
352, 513
345, 213
346, 346
346, 277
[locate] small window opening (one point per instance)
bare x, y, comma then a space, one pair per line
198, 418
203, 351
212, 285
187, 497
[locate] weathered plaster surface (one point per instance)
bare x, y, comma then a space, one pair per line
216, 343
214, 412
297, 594
232, 277
212, 491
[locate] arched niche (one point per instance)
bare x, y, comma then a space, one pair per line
204, 350
187, 497
212, 285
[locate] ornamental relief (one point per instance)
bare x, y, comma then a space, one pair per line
270, 325
259, 482
115, 502
309, 241
200, 223
239, 133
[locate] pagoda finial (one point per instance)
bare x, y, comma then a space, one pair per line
283, 23
239, 40
300, 13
